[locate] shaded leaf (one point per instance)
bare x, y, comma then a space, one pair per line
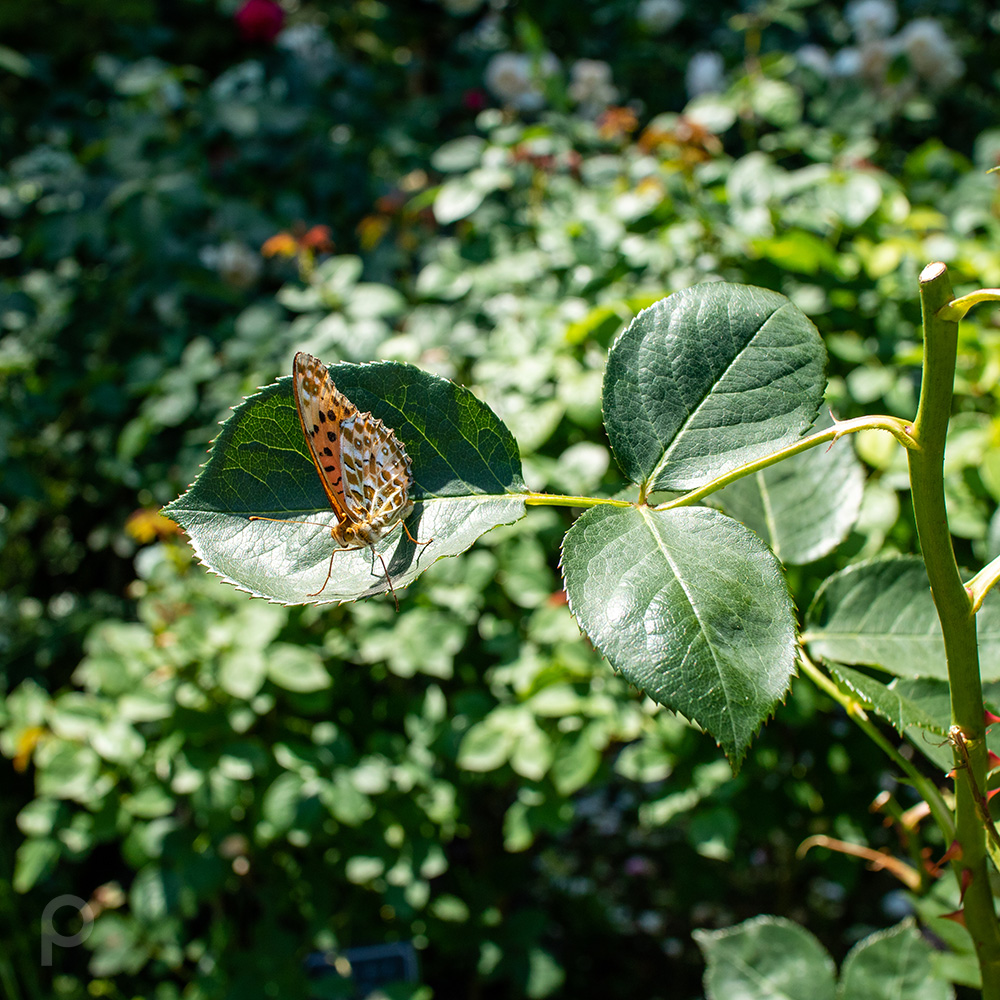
467, 479
916, 707
691, 607
36, 857
804, 506
894, 964
881, 613
709, 379
900, 706
765, 958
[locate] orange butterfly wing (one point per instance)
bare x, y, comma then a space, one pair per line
322, 411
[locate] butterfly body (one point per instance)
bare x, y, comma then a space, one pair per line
363, 467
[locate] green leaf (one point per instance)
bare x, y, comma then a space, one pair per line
460, 196
296, 668
489, 743
707, 380
881, 613
705, 779
459, 154
765, 958
918, 708
576, 762
691, 607
713, 833
242, 672
803, 507
892, 965
36, 857
776, 102
895, 703
467, 479
281, 801
154, 893
799, 251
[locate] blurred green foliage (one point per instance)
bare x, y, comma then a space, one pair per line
234, 785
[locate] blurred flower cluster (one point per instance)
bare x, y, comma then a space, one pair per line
929, 54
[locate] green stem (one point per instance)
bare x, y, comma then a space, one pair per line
954, 607
856, 713
897, 427
556, 500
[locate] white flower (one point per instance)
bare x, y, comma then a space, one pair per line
871, 19
235, 262
846, 63
590, 84
875, 57
931, 52
704, 74
657, 16
816, 58
514, 77
312, 49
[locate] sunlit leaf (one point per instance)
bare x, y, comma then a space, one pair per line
467, 479
691, 607
709, 379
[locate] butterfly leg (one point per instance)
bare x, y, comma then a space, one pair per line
412, 539
388, 579
329, 573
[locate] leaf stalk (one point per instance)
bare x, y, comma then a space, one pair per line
900, 429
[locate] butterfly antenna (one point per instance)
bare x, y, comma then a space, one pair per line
281, 520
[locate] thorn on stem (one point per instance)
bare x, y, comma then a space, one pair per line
954, 853
967, 878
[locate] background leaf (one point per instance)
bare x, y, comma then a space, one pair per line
763, 959
881, 613
691, 607
712, 357
892, 965
467, 478
803, 507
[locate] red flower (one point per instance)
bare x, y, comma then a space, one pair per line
259, 20
474, 100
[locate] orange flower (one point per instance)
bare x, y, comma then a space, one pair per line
25, 747
617, 123
301, 242
318, 239
280, 245
147, 524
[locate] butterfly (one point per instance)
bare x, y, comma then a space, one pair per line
363, 467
